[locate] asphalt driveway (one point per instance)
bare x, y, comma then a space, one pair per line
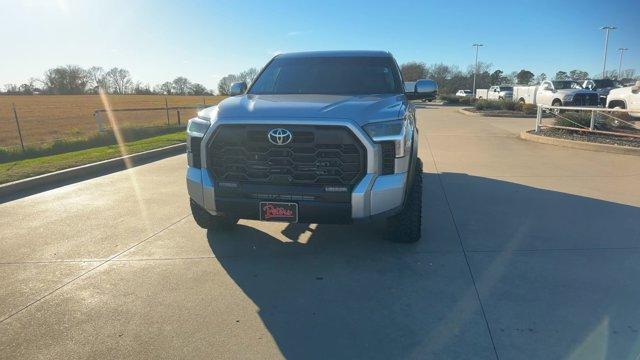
529, 251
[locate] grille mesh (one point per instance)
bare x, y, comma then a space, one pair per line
585, 100
317, 155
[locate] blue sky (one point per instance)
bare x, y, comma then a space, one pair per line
205, 40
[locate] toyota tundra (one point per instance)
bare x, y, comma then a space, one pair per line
318, 137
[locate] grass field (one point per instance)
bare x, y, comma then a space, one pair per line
12, 171
45, 118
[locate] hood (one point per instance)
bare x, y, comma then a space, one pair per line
361, 108
574, 91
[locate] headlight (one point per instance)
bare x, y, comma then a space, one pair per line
198, 127
567, 98
383, 130
399, 131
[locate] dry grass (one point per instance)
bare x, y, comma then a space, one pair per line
45, 118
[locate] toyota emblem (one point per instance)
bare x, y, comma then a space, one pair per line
279, 136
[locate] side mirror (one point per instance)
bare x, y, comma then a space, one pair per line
426, 89
238, 88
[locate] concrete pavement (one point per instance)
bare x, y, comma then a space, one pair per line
529, 251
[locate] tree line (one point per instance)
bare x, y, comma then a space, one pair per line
75, 80
450, 78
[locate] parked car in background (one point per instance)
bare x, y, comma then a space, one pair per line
625, 98
464, 93
602, 87
423, 90
556, 93
495, 93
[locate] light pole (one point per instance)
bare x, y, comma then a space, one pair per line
475, 69
606, 44
622, 50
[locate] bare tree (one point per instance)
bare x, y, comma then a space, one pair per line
413, 71
225, 83
98, 79
165, 88
119, 80
248, 75
540, 78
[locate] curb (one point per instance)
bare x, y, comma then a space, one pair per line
469, 113
63, 177
615, 149
513, 116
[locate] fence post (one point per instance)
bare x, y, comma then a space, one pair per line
539, 118
166, 107
593, 120
204, 101
15, 115
99, 122
178, 112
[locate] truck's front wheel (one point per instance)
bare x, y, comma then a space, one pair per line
211, 222
406, 226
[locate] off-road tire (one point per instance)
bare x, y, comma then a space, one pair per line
405, 227
211, 222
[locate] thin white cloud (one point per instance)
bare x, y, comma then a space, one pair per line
297, 33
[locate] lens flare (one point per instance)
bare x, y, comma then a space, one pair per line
113, 123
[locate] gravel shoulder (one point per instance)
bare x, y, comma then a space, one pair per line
588, 137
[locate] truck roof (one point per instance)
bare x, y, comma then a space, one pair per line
337, 53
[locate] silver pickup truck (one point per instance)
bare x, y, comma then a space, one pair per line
318, 137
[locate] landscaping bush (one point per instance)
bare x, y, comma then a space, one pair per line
528, 109
456, 100
484, 104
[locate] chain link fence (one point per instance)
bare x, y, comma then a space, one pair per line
590, 120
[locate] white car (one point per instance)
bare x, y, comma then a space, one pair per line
625, 98
464, 93
556, 93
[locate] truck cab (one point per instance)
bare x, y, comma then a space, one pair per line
501, 92
318, 137
496, 92
565, 93
602, 87
625, 98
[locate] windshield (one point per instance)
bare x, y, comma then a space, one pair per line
506, 88
559, 85
329, 75
604, 83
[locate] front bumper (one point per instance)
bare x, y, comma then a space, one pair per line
375, 195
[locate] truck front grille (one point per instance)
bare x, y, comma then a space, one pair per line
586, 100
316, 155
